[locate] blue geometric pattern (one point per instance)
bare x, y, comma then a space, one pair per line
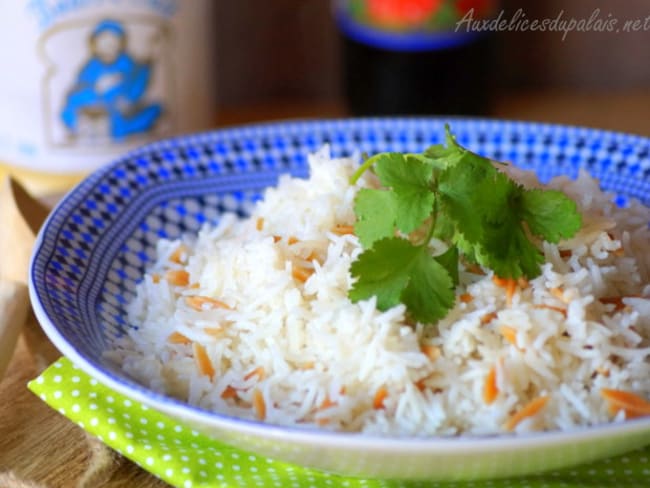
100, 239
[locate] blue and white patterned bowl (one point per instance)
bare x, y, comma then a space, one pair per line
98, 241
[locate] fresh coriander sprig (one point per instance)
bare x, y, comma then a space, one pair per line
461, 199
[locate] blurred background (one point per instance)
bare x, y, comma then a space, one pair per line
189, 65
286, 59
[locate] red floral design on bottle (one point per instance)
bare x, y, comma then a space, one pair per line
481, 7
402, 13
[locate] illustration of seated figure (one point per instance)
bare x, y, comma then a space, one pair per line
110, 87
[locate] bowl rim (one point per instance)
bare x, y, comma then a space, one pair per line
468, 444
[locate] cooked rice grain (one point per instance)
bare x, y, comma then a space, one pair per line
283, 276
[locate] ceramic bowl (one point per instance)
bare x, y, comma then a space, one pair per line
98, 241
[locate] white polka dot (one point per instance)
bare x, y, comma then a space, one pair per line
194, 445
129, 449
43, 396
148, 447
185, 470
160, 425
184, 458
76, 408
160, 437
166, 457
195, 433
143, 421
126, 415
235, 467
92, 394
234, 455
201, 461
203, 474
187, 484
75, 393
58, 394
93, 382
111, 420
144, 408
58, 365
169, 472
81, 424
110, 399
112, 435
93, 406
127, 403
76, 379
150, 461
40, 380
94, 421
218, 465
178, 428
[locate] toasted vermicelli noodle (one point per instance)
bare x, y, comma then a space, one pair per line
251, 318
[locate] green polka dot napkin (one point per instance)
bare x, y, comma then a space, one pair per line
186, 458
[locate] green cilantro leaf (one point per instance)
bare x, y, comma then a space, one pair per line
551, 214
376, 212
449, 261
394, 271
503, 245
507, 250
383, 271
460, 198
429, 294
442, 156
410, 179
465, 191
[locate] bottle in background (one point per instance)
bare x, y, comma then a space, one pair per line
86, 81
407, 57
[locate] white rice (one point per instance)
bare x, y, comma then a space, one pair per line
315, 346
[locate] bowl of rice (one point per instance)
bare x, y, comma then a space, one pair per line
208, 277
